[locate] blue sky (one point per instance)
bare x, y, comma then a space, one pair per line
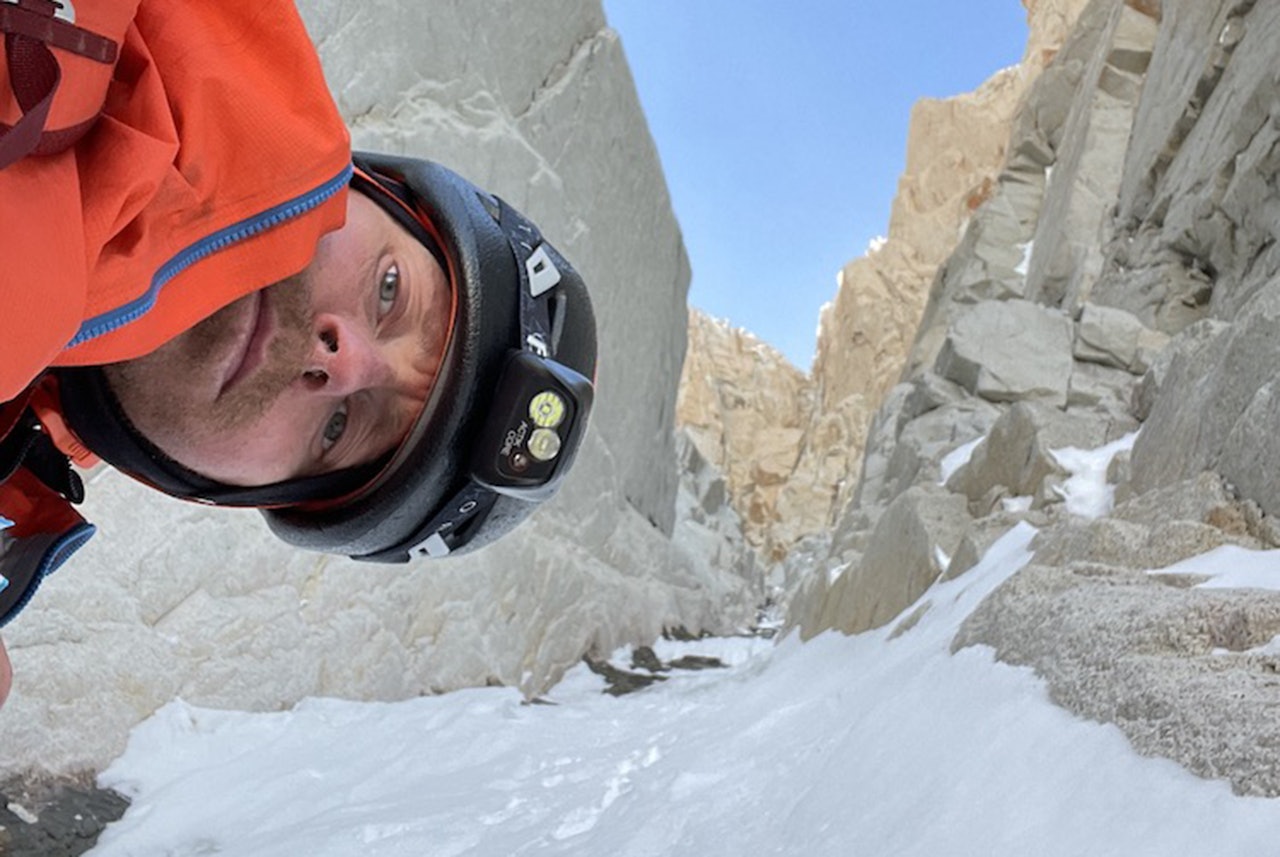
782, 131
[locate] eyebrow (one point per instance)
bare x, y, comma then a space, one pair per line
368, 276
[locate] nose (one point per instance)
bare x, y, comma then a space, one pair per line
345, 358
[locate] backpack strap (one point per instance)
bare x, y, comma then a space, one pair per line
25, 444
38, 527
30, 28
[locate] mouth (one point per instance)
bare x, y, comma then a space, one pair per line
252, 350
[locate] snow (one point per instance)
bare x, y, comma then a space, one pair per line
876, 744
1086, 492
1017, 505
1230, 567
957, 458
1025, 263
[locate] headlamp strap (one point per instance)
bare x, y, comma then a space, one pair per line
539, 272
468, 508
539, 275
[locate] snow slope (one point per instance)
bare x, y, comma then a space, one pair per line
876, 744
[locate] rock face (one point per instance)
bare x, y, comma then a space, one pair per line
956, 148
1121, 273
534, 101
748, 410
1008, 351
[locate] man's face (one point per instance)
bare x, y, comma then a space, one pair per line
318, 373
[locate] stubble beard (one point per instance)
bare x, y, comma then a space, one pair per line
155, 392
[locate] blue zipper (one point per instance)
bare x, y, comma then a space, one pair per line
233, 234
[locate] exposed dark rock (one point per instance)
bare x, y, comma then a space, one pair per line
697, 662
643, 658
55, 820
619, 681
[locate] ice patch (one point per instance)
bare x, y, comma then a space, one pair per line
24, 815
834, 573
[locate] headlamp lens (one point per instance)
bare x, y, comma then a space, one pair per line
547, 409
544, 444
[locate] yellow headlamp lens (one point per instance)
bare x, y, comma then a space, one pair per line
547, 409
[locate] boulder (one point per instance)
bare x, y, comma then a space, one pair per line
1005, 351
1116, 338
1194, 345
904, 556
1180, 671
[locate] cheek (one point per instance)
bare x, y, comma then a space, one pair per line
268, 450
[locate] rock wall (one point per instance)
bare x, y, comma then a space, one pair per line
533, 100
747, 409
792, 446
1120, 276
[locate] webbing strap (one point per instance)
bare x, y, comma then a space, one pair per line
35, 20
26, 445
34, 75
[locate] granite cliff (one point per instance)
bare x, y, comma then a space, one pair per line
1116, 282
790, 443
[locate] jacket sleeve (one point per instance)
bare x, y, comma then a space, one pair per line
43, 281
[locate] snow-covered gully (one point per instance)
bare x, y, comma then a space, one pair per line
882, 744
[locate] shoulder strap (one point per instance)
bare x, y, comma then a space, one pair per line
34, 74
39, 531
26, 445
38, 527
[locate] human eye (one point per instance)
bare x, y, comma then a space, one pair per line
334, 428
388, 290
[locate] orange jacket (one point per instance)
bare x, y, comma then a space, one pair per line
218, 161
